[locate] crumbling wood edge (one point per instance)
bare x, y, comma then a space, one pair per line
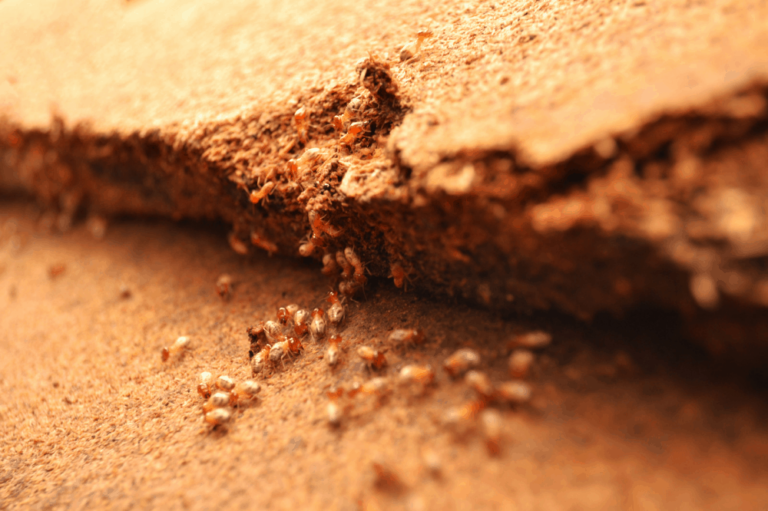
482, 226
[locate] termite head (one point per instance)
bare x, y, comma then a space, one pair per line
294, 345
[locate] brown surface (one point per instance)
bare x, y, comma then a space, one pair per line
535, 156
90, 416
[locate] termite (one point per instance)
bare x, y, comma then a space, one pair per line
332, 355
336, 310
461, 361
302, 123
317, 326
411, 50
257, 196
374, 358
178, 346
359, 274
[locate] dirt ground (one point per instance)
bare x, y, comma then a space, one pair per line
624, 415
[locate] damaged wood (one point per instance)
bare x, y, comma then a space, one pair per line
644, 217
